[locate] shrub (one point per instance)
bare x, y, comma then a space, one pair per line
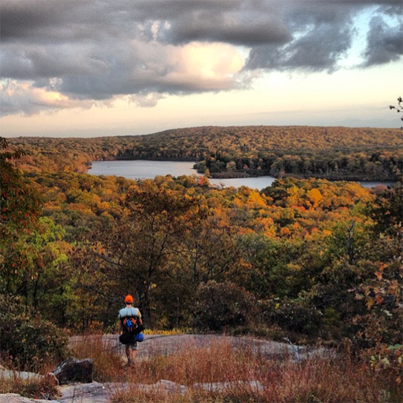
26, 339
222, 306
292, 316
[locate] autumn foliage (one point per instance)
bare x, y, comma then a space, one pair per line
335, 153
306, 259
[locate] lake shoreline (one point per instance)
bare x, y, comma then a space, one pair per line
334, 177
149, 169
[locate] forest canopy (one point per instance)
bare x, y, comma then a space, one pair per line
335, 153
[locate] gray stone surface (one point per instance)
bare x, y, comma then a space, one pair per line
168, 344
14, 398
87, 393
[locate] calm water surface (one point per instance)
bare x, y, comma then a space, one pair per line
143, 169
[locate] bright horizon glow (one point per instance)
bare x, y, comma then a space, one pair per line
343, 98
193, 74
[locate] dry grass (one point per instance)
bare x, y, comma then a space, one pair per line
190, 363
171, 332
33, 388
107, 359
36, 386
280, 380
320, 380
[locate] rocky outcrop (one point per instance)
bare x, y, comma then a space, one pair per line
94, 392
74, 371
100, 393
14, 398
89, 393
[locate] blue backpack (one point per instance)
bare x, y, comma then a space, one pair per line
130, 324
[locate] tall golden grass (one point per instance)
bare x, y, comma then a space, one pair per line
339, 379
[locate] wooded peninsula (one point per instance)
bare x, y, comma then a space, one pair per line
334, 153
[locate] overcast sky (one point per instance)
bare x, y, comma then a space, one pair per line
116, 67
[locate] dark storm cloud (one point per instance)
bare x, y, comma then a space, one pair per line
97, 50
226, 28
318, 50
320, 38
384, 44
19, 19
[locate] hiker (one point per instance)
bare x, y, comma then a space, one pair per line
133, 314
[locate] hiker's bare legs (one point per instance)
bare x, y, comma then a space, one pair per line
128, 354
134, 354
131, 354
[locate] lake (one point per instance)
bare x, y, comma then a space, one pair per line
144, 169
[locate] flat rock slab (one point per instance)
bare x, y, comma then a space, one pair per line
169, 344
14, 398
81, 393
88, 393
101, 393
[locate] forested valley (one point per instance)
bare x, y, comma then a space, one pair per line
308, 259
334, 153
